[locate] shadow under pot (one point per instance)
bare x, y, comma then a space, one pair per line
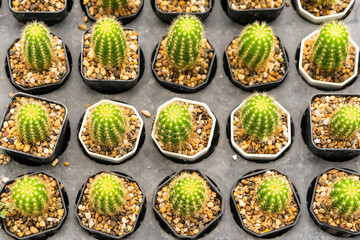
114, 80
22, 225
248, 213
192, 138
93, 138
125, 217
205, 213
320, 204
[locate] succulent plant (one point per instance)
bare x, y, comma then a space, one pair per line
37, 46
345, 122
184, 41
325, 2
108, 124
108, 42
331, 47
32, 123
113, 5
174, 124
345, 197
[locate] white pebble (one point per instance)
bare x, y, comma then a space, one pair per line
234, 157
317, 140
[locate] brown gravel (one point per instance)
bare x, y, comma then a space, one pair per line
183, 6
97, 11
146, 113
38, 5
4, 159
257, 4
317, 10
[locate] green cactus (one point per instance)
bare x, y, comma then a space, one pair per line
331, 47
184, 41
259, 116
174, 124
108, 42
108, 124
37, 47
325, 2
345, 122
255, 45
32, 123
345, 197
113, 5
273, 194
107, 194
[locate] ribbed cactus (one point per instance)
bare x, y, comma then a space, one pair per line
184, 41
113, 5
255, 45
259, 116
273, 194
174, 124
331, 47
345, 122
37, 47
108, 124
30, 196
345, 197
32, 123
107, 194
108, 42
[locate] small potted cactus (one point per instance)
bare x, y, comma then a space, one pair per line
34, 130
265, 204
184, 61
256, 60
112, 199
260, 129
188, 204
328, 58
39, 62
111, 60
185, 131
111, 132
35, 205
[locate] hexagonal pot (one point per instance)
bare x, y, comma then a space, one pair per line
100, 234
182, 158
106, 159
237, 216
164, 223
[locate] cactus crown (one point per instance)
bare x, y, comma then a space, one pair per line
108, 42
345, 122
345, 197
32, 123
37, 47
108, 124
113, 5
331, 47
255, 44
184, 41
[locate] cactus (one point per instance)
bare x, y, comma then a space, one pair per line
32, 123
37, 47
259, 116
345, 122
345, 197
108, 42
325, 2
331, 47
184, 41
30, 195
273, 194
255, 45
113, 5
107, 194
174, 124
108, 124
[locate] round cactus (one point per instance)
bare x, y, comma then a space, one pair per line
345, 122
345, 197
113, 5
325, 2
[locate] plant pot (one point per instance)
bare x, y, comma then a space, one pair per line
61, 143
112, 86
102, 235
41, 234
208, 227
239, 220
256, 87
202, 154
107, 159
322, 84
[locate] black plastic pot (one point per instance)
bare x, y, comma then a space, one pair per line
43, 234
336, 231
237, 216
102, 235
112, 86
257, 87
207, 228
46, 88
330, 154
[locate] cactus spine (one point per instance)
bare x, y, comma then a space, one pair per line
345, 122
345, 197
113, 5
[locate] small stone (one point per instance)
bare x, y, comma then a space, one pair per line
146, 113
66, 164
234, 157
82, 26
55, 162
34, 230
